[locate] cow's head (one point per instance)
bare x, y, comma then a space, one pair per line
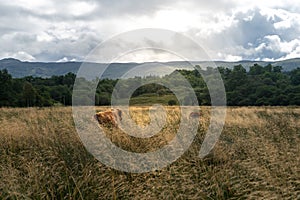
119, 113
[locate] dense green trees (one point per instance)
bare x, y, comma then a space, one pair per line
295, 77
35, 91
261, 85
266, 85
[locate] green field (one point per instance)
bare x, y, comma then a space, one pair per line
257, 157
149, 99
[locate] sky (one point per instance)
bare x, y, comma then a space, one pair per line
58, 31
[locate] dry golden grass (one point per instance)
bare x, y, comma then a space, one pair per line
257, 157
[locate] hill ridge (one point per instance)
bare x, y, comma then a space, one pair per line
20, 69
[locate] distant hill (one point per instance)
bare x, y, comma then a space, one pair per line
287, 65
19, 69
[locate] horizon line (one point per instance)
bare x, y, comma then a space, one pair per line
155, 61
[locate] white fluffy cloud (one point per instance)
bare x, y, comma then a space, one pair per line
228, 30
21, 55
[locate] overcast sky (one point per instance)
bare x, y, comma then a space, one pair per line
44, 30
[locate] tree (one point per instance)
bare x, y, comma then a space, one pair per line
29, 94
295, 76
277, 69
6, 88
256, 70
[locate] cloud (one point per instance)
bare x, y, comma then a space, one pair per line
21, 55
52, 44
284, 49
254, 34
227, 29
65, 59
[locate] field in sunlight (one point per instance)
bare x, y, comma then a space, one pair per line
256, 157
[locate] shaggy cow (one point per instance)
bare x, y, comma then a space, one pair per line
109, 117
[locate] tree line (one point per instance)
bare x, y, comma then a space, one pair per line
261, 85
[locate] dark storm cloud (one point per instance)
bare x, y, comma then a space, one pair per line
256, 35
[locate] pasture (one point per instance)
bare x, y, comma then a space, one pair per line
256, 157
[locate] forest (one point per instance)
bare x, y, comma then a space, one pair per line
261, 85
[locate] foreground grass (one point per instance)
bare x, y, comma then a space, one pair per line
257, 157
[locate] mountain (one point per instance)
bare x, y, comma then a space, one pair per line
287, 65
20, 69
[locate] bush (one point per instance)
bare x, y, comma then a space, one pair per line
172, 102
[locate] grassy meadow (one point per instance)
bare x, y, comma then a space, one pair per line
256, 157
